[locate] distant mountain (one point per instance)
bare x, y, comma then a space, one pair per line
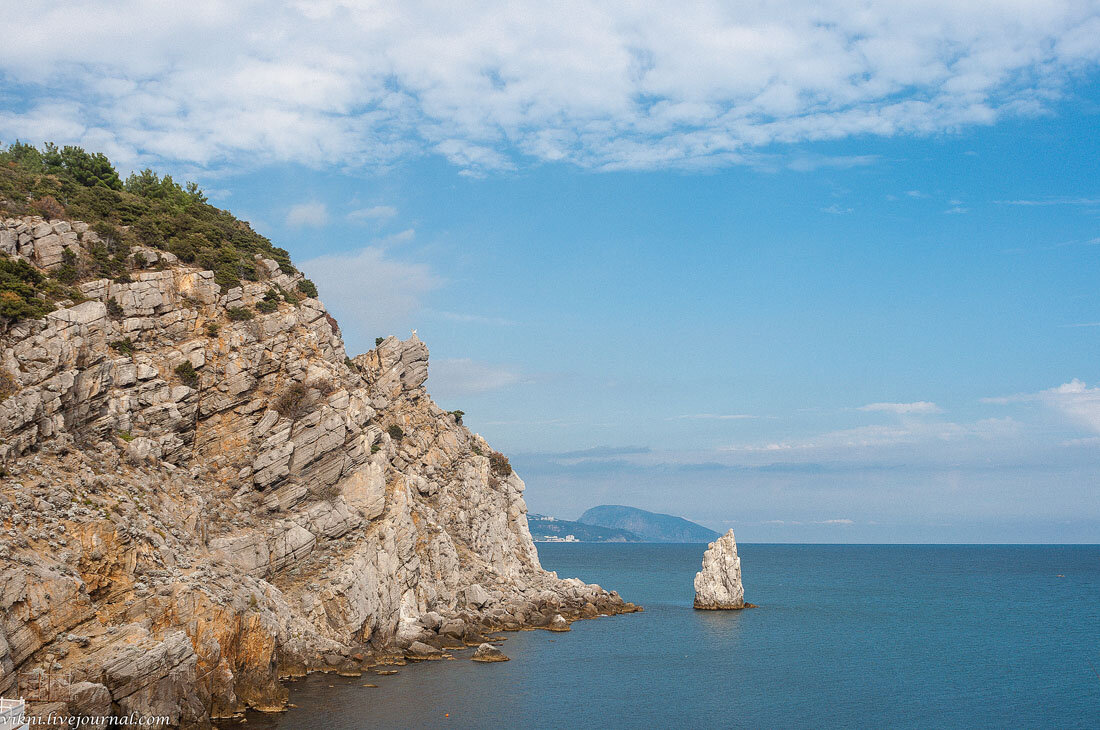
551, 529
650, 526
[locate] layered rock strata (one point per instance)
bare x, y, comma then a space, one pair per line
194, 504
718, 584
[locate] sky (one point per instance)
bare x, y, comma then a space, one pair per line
819, 272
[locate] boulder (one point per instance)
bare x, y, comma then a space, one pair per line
718, 584
488, 653
420, 650
92, 701
558, 623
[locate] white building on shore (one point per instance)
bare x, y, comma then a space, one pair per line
12, 714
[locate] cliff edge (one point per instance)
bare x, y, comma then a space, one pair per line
202, 494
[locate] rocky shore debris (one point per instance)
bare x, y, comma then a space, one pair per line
718, 584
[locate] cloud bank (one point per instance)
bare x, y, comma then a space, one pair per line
902, 409
600, 85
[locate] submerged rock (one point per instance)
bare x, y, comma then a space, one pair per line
489, 653
718, 584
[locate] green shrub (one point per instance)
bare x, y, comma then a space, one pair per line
308, 288
114, 309
378, 341
267, 306
67, 272
375, 448
20, 288
125, 436
212, 329
239, 314
458, 416
123, 347
288, 297
71, 183
187, 374
396, 432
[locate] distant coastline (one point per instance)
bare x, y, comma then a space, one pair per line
618, 523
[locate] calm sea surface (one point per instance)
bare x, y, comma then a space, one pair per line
845, 635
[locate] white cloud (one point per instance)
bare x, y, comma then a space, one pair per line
377, 212
902, 408
916, 432
474, 318
836, 210
1074, 400
712, 417
841, 521
370, 293
616, 85
1052, 201
395, 239
463, 376
307, 214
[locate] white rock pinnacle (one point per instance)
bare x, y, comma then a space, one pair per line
718, 584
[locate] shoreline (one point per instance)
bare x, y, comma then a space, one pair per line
370, 662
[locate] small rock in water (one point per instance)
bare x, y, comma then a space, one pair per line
718, 584
489, 653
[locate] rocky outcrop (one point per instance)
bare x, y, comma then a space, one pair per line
718, 584
194, 505
488, 653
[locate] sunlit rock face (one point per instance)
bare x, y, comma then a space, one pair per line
718, 584
209, 503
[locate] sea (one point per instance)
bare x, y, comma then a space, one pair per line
865, 636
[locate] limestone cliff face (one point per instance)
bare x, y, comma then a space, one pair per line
195, 504
718, 584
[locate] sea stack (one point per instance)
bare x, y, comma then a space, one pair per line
718, 584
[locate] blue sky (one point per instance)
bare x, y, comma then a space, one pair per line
669, 261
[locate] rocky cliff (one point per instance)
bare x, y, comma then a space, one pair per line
201, 494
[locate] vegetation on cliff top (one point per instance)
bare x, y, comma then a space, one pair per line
146, 209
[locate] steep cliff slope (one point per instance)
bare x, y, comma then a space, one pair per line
202, 493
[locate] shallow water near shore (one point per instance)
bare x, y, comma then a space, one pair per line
845, 635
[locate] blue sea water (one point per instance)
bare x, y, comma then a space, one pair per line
845, 636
